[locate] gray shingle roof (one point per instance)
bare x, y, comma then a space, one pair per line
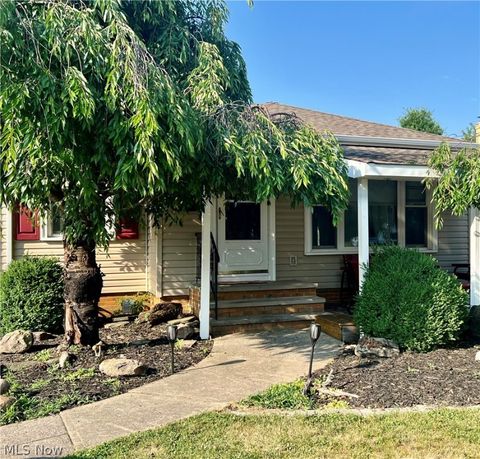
345, 126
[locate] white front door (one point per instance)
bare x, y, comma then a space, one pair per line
243, 240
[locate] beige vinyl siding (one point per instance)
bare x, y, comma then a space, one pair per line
323, 269
124, 266
179, 248
453, 241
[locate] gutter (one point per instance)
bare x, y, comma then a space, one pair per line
401, 143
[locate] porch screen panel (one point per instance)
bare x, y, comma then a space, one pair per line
324, 234
351, 216
382, 211
416, 215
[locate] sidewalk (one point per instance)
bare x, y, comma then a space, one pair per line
239, 365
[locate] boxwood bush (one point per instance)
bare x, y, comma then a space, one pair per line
31, 295
406, 297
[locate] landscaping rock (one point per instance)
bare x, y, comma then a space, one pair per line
39, 336
65, 359
5, 402
142, 317
121, 319
116, 325
4, 386
163, 312
188, 343
376, 347
16, 342
477, 356
185, 331
182, 320
122, 367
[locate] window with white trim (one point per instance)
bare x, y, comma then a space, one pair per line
399, 213
52, 227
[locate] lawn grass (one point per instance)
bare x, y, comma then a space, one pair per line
445, 433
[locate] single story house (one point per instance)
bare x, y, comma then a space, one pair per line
271, 256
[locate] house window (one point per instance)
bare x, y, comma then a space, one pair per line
382, 212
324, 233
52, 227
399, 213
416, 215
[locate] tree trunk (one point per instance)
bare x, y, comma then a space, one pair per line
83, 286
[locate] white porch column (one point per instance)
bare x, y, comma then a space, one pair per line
205, 273
363, 239
474, 257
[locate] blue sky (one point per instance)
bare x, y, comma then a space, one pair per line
367, 60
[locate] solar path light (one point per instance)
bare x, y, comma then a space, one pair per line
172, 332
314, 331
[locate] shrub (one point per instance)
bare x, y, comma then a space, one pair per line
31, 295
407, 298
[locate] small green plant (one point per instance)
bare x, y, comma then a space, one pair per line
408, 299
134, 304
43, 356
81, 373
282, 396
179, 344
114, 384
336, 405
31, 295
39, 384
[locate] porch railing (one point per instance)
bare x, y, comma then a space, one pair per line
214, 260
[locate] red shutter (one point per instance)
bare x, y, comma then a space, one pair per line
26, 225
128, 229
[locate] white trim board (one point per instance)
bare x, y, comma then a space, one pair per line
357, 169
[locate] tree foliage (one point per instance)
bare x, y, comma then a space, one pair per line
469, 133
420, 119
110, 108
457, 187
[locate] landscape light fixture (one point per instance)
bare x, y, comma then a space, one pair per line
172, 332
314, 331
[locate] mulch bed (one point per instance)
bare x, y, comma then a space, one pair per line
444, 377
82, 378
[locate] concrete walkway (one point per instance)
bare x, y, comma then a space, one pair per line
239, 365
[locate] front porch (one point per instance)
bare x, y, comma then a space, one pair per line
259, 306
253, 299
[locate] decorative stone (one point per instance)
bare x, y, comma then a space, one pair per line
163, 312
182, 320
188, 343
5, 402
140, 342
43, 336
142, 317
376, 347
4, 386
116, 325
120, 319
16, 342
122, 367
477, 356
185, 331
65, 359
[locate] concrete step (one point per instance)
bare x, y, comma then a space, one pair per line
273, 289
261, 322
269, 306
338, 325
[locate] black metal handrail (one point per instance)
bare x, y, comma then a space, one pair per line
214, 260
